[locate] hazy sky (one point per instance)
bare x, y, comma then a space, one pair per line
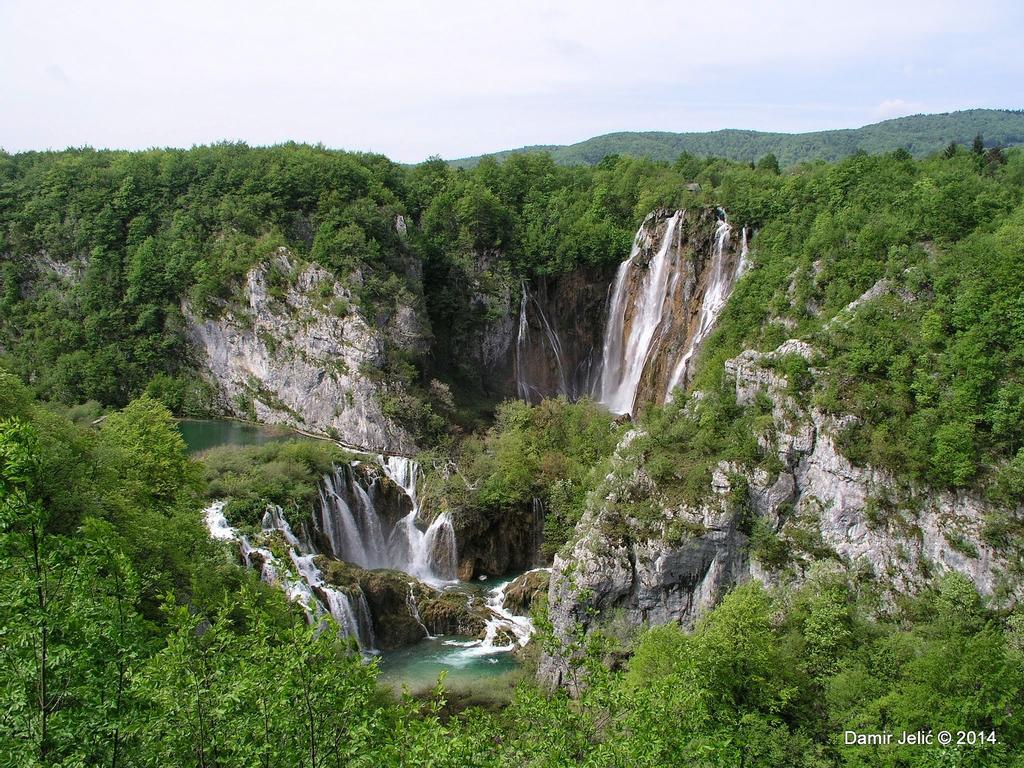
411, 79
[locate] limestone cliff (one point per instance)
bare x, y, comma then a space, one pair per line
817, 509
295, 350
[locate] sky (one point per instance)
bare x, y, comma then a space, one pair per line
412, 79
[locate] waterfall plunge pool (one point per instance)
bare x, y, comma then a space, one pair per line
475, 673
417, 667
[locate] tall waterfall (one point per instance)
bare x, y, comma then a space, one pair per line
664, 302
522, 340
715, 295
633, 318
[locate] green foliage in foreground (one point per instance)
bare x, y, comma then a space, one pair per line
227, 674
774, 680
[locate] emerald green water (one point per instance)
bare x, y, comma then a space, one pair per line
418, 667
468, 674
200, 434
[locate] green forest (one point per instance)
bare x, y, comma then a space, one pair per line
921, 135
130, 638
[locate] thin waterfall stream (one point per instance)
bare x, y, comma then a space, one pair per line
526, 389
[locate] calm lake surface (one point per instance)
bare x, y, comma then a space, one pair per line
200, 434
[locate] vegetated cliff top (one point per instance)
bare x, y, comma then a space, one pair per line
918, 134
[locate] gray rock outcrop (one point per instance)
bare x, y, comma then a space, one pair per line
297, 351
676, 564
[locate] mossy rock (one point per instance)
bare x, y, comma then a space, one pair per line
504, 638
526, 592
338, 574
453, 613
448, 612
274, 541
387, 594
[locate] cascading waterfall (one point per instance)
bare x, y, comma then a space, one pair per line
351, 613
303, 583
661, 311
433, 554
414, 611
715, 296
348, 519
217, 523
502, 624
626, 350
744, 254
428, 555
300, 579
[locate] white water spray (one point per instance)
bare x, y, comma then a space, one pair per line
428, 555
626, 352
502, 625
299, 578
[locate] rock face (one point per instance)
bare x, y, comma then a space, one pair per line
817, 507
526, 591
493, 546
558, 335
537, 338
296, 351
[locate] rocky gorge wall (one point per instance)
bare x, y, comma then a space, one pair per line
821, 510
302, 355
558, 335
299, 352
625, 337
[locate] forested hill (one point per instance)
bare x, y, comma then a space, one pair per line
920, 135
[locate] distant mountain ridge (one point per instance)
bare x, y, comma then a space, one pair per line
918, 134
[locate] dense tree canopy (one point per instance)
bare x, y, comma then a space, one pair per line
128, 637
